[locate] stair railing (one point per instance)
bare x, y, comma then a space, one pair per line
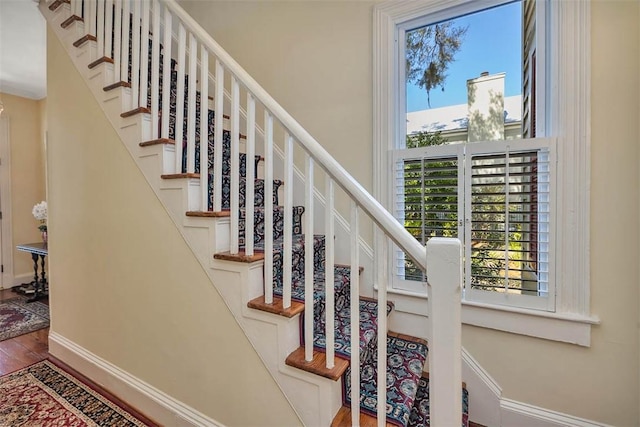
124, 30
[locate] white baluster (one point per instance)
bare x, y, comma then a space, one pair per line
100, 30
308, 259
144, 54
287, 267
155, 71
355, 316
74, 8
117, 41
191, 105
217, 140
250, 178
166, 74
124, 52
182, 42
204, 127
443, 257
382, 332
235, 167
268, 208
135, 56
92, 18
329, 274
108, 28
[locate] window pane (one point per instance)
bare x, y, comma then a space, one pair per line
464, 75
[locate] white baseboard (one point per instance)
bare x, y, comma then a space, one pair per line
522, 414
145, 398
17, 280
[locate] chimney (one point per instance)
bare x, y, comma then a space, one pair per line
485, 102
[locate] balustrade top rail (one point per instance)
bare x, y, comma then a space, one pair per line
383, 218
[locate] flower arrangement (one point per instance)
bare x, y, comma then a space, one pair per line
40, 213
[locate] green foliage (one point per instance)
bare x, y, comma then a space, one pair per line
429, 51
425, 139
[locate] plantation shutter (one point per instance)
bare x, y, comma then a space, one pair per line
507, 222
428, 199
496, 197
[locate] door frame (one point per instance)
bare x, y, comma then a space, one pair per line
6, 233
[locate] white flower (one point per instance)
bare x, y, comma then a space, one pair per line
40, 211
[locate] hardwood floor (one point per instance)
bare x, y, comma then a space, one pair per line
24, 350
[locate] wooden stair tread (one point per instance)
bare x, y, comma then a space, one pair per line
82, 40
116, 85
276, 307
99, 61
180, 175
135, 111
239, 257
318, 364
343, 419
158, 141
209, 214
70, 20
56, 4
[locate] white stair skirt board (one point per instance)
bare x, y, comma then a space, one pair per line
147, 399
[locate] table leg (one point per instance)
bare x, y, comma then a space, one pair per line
35, 278
43, 275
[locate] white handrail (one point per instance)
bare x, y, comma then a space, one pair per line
371, 206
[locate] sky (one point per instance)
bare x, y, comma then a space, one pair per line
492, 43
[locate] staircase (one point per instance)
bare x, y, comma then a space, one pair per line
262, 228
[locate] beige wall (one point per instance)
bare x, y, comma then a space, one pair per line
124, 284
315, 59
27, 174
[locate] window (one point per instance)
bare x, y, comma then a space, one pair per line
515, 194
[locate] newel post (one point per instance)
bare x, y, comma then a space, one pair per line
444, 277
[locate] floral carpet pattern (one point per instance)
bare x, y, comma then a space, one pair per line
420, 412
45, 395
405, 361
17, 317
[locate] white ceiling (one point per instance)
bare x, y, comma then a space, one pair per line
23, 46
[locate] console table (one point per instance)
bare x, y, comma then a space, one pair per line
37, 250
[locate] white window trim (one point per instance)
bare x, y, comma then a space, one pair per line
569, 69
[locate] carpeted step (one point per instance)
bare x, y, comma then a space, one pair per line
278, 224
420, 411
405, 362
258, 200
226, 152
368, 331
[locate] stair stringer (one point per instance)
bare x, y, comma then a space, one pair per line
315, 399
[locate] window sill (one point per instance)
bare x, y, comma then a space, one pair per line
563, 327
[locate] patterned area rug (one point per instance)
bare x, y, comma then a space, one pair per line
17, 317
44, 395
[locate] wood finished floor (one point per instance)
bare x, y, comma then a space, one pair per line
24, 350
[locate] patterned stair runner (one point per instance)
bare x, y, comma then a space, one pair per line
420, 411
407, 389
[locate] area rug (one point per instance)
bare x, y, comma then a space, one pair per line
18, 317
45, 395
